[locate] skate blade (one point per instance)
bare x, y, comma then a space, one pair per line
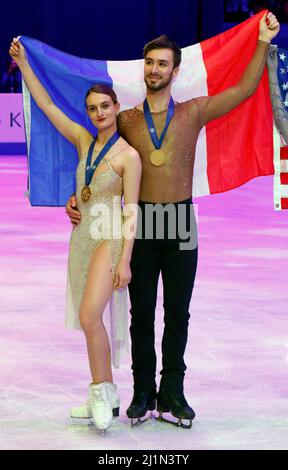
177, 422
80, 421
103, 432
138, 421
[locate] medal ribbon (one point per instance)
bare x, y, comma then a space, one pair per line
90, 170
150, 123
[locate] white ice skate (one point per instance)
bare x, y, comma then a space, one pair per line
85, 412
100, 406
81, 412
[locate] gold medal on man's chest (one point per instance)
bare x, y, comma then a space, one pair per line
85, 193
158, 157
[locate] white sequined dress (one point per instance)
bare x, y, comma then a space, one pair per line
105, 202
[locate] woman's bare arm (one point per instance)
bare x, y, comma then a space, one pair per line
68, 128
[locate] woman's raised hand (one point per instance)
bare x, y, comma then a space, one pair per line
17, 51
71, 130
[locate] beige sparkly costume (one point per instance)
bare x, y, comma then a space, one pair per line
107, 188
173, 181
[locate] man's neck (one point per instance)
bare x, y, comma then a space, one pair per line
158, 100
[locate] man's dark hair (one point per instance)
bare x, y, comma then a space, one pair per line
163, 42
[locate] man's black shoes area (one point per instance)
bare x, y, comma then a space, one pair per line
143, 401
173, 402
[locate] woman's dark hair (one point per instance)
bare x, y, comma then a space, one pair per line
105, 89
163, 42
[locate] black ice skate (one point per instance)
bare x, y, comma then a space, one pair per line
142, 402
174, 402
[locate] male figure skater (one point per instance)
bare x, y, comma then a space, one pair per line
167, 175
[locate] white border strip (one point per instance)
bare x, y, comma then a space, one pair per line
277, 169
284, 166
284, 191
27, 123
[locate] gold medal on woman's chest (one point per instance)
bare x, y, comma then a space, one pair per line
158, 157
85, 193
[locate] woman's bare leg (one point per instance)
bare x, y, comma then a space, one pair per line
98, 291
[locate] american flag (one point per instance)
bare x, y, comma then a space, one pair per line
278, 75
282, 74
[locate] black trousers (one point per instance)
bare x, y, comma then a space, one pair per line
152, 256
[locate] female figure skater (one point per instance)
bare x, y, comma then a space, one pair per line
99, 263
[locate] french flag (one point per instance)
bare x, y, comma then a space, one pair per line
230, 151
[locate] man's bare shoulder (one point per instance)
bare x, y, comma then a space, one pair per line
195, 104
193, 101
125, 120
127, 113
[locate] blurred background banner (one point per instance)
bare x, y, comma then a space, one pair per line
118, 30
12, 135
11, 118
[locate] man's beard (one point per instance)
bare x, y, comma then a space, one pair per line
158, 86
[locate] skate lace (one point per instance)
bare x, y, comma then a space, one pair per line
97, 397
